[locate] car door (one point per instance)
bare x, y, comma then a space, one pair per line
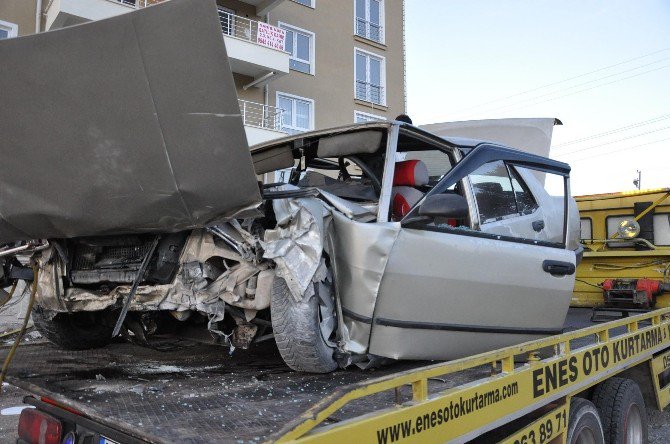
450, 291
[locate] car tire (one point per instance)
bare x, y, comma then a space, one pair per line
584, 425
297, 332
74, 331
622, 410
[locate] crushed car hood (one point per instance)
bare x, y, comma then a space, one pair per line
126, 125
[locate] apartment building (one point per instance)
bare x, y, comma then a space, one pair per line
298, 64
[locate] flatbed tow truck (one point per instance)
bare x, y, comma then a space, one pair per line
587, 384
530, 393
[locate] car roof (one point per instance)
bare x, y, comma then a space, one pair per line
466, 145
458, 142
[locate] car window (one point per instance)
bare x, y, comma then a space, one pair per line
501, 192
525, 201
437, 162
415, 173
493, 191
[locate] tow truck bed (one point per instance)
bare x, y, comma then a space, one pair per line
191, 392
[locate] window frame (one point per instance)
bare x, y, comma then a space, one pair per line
312, 47
581, 218
11, 28
511, 158
523, 184
514, 174
231, 22
382, 74
312, 3
667, 214
374, 117
382, 20
293, 97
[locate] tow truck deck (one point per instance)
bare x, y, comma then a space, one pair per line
193, 393
184, 391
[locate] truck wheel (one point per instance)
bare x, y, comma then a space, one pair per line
303, 330
74, 331
622, 409
584, 426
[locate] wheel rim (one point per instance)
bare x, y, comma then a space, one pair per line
585, 435
634, 433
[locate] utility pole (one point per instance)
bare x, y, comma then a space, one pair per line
638, 182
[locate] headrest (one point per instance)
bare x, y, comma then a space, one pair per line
411, 173
403, 199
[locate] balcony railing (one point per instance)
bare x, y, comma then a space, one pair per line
262, 116
369, 30
369, 92
252, 30
235, 26
136, 3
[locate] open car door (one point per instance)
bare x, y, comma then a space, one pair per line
450, 291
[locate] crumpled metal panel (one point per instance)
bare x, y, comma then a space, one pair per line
360, 252
129, 124
350, 209
296, 245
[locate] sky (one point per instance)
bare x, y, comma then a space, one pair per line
601, 67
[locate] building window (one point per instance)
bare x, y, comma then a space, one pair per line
361, 117
298, 113
370, 77
227, 19
300, 44
309, 3
8, 30
585, 228
369, 21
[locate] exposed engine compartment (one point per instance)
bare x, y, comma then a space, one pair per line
110, 260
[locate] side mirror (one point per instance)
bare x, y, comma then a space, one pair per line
448, 206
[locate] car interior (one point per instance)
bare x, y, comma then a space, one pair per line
350, 166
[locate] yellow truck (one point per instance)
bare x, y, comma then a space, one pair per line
626, 260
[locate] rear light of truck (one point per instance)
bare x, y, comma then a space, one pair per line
38, 427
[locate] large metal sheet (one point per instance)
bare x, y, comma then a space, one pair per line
129, 124
531, 134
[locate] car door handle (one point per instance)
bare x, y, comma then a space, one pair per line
538, 225
558, 268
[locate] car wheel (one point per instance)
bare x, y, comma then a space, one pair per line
74, 331
584, 425
304, 329
622, 408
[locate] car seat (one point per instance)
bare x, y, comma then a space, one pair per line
408, 175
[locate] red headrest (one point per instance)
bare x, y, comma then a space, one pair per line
410, 173
403, 199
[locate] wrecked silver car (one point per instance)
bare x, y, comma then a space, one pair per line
362, 243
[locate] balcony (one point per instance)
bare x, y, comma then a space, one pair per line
369, 92
369, 30
63, 13
263, 6
261, 122
255, 49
